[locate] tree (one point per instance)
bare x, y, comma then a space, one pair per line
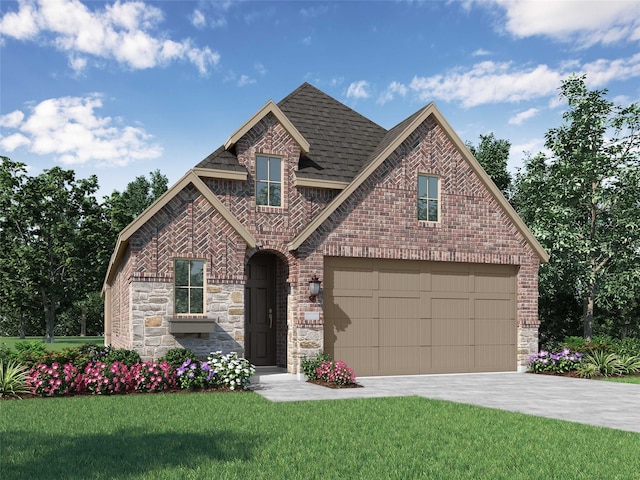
123, 208
493, 155
583, 203
49, 229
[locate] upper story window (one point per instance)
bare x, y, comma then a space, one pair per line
268, 181
189, 286
428, 198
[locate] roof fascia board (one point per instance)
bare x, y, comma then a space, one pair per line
221, 174
269, 107
318, 183
189, 177
429, 110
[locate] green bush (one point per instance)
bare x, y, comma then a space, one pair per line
30, 353
310, 365
597, 344
128, 357
6, 354
603, 364
13, 379
628, 346
177, 356
96, 353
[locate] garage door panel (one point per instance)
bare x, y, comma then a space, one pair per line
399, 279
494, 358
495, 332
454, 308
449, 282
452, 332
400, 360
451, 359
349, 307
359, 333
354, 279
363, 361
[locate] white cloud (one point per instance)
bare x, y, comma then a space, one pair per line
12, 120
124, 31
493, 82
306, 40
69, 129
358, 90
197, 19
260, 68
522, 116
246, 80
481, 53
394, 88
14, 141
584, 23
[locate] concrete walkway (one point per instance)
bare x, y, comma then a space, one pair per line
592, 402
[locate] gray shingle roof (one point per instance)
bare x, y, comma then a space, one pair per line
341, 140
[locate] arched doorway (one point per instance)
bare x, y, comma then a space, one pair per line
265, 310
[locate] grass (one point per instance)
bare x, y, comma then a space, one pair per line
59, 344
627, 379
242, 435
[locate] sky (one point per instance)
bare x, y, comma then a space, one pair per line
120, 89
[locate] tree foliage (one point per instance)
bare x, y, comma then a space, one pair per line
55, 242
493, 155
583, 204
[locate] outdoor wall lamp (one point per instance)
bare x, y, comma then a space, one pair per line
314, 288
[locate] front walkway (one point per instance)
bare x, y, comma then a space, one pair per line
592, 402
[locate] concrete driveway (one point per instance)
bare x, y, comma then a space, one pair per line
592, 402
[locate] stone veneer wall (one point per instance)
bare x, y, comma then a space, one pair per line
527, 345
152, 309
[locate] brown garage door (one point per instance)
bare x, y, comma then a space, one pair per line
392, 317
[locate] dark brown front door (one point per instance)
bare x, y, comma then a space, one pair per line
260, 310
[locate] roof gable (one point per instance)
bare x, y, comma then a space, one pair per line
272, 108
190, 178
391, 142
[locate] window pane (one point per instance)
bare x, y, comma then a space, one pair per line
422, 186
197, 273
433, 210
433, 187
422, 209
182, 300
262, 165
196, 295
274, 197
182, 273
274, 169
262, 193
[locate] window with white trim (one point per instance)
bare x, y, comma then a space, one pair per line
268, 181
189, 287
428, 198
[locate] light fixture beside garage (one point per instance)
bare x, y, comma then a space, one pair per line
314, 288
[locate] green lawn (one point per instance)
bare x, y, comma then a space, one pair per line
243, 436
628, 379
59, 344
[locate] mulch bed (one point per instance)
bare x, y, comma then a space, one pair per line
322, 383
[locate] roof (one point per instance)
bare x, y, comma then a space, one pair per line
338, 139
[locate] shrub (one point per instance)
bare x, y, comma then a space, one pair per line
55, 379
13, 379
310, 365
231, 371
603, 364
177, 356
562, 362
629, 346
193, 374
6, 354
104, 379
335, 372
29, 353
578, 344
95, 353
153, 376
128, 357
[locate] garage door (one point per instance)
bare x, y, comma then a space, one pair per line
394, 317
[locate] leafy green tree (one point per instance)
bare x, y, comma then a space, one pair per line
50, 225
123, 208
493, 154
583, 203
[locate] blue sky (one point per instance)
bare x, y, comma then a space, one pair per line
119, 89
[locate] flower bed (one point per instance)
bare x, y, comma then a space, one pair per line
323, 370
220, 371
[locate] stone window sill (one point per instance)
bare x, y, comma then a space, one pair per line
191, 325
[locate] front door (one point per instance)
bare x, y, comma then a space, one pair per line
260, 310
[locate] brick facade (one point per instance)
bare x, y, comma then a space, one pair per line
379, 220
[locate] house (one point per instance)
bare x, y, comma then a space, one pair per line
422, 264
